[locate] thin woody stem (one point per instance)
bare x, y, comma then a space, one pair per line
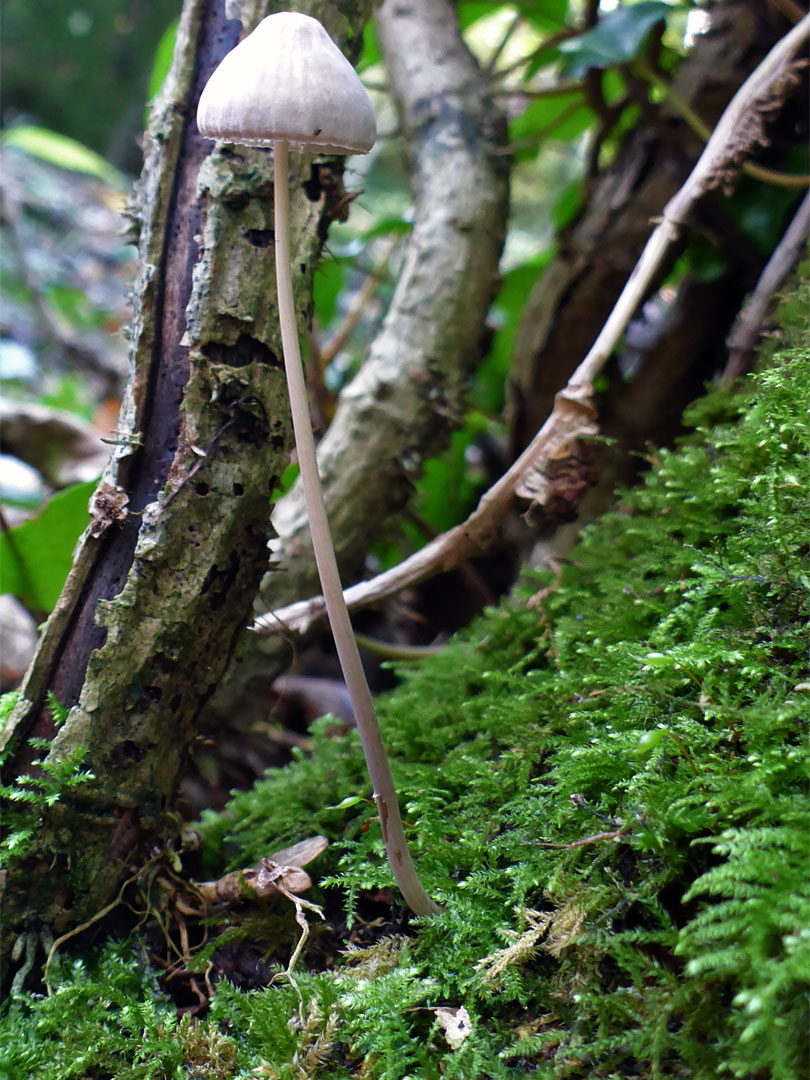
376, 760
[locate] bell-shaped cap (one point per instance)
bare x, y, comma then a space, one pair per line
288, 80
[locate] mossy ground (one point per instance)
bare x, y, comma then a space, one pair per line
606, 779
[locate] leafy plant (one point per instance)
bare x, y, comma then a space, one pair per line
29, 794
617, 37
36, 555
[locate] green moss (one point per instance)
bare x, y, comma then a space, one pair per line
655, 685
109, 1019
607, 782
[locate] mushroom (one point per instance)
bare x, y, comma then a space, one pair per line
287, 84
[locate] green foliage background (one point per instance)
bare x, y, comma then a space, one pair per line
607, 779
83, 68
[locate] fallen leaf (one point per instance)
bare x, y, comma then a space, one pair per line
456, 1025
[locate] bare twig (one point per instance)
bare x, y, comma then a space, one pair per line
573, 415
572, 86
393, 650
492, 63
749, 322
361, 302
597, 838
84, 926
550, 43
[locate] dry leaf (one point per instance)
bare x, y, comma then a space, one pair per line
279, 873
456, 1025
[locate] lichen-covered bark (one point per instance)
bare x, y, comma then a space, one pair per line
409, 393
165, 574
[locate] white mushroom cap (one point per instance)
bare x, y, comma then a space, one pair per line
288, 80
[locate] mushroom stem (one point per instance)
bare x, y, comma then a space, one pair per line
385, 795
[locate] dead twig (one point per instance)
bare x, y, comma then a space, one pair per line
748, 324
359, 305
597, 838
84, 926
507, 36
696, 123
573, 415
280, 874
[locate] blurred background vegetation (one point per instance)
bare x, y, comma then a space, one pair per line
84, 69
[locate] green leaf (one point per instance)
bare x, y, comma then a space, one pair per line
446, 492
36, 556
545, 14
288, 478
371, 49
648, 742
469, 13
617, 37
327, 286
350, 800
161, 64
561, 116
63, 151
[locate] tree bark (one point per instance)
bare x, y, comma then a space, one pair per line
165, 574
409, 394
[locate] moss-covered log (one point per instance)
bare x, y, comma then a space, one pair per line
166, 571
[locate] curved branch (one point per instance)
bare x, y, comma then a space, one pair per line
409, 394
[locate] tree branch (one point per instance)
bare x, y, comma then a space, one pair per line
573, 414
749, 322
148, 619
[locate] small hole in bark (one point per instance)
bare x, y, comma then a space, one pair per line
246, 350
201, 488
312, 187
260, 238
127, 753
277, 442
238, 489
236, 200
218, 582
174, 704
302, 267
